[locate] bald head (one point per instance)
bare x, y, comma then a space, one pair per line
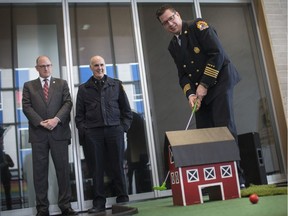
44, 66
96, 58
98, 67
42, 57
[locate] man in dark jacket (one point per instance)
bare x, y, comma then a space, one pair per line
103, 114
205, 72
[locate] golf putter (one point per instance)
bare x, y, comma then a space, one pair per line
163, 186
192, 114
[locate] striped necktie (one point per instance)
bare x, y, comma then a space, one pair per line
46, 89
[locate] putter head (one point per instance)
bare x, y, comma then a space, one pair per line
160, 188
156, 188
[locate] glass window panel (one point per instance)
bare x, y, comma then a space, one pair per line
122, 33
6, 78
5, 43
29, 30
170, 110
7, 106
10, 144
251, 102
10, 150
107, 30
92, 32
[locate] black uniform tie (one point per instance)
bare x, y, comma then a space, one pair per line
179, 40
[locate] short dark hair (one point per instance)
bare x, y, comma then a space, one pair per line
162, 9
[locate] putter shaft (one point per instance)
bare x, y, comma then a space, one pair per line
191, 116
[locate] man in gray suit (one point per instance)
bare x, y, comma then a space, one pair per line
47, 104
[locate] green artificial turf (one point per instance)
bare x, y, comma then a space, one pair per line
263, 190
267, 206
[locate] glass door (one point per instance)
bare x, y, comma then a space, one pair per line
253, 114
28, 31
169, 108
106, 29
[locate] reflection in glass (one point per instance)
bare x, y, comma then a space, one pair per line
106, 30
247, 62
170, 110
27, 32
138, 172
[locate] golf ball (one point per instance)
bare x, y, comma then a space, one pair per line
254, 198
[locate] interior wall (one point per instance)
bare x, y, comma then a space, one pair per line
277, 102
276, 20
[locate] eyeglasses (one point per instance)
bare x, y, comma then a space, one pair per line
44, 66
170, 19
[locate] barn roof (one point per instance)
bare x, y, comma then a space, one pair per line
202, 146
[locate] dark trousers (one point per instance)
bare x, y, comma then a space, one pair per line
7, 189
59, 153
106, 148
220, 113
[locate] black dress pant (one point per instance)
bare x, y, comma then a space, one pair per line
7, 189
106, 149
219, 113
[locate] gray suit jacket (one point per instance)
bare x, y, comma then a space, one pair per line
37, 109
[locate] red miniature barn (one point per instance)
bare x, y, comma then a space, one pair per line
202, 160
